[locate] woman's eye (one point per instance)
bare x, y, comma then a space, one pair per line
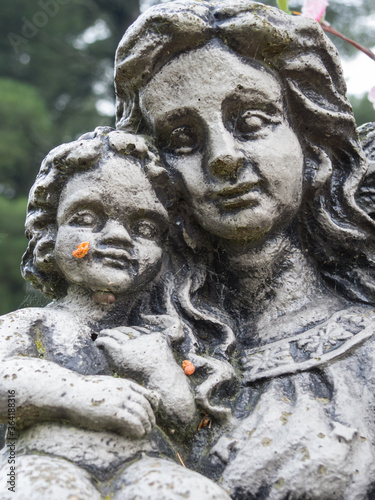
182, 140
250, 122
82, 218
145, 229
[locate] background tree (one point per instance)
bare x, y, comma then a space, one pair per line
56, 82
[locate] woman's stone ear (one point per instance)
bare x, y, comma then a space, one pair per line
320, 167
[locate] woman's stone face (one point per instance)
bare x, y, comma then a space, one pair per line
221, 125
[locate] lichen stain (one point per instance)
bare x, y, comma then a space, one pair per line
97, 402
266, 441
322, 469
323, 400
279, 483
305, 454
285, 416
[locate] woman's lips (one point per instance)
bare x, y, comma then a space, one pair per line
239, 196
240, 201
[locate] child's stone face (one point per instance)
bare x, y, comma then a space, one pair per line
114, 208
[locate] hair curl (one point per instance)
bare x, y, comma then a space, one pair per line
337, 233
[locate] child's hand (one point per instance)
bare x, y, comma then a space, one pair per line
149, 359
145, 358
116, 404
113, 342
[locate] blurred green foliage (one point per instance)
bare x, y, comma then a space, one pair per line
56, 80
59, 55
363, 109
283, 5
25, 129
56, 66
12, 246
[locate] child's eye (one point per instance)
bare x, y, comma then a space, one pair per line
145, 229
82, 218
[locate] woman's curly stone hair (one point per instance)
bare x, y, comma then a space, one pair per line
38, 263
337, 233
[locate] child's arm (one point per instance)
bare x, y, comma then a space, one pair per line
147, 357
45, 391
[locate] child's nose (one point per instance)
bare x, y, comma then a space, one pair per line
115, 232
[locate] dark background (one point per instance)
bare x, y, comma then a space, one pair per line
56, 82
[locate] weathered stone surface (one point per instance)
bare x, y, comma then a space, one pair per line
228, 221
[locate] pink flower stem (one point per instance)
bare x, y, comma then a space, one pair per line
329, 29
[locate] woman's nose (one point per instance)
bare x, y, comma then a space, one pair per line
225, 159
114, 232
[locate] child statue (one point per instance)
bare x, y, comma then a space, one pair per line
97, 242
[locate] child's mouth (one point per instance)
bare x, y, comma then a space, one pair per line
115, 257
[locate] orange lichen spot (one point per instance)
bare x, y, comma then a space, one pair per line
82, 250
188, 367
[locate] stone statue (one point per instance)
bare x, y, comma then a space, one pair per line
237, 161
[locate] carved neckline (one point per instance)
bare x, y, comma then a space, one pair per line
344, 330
